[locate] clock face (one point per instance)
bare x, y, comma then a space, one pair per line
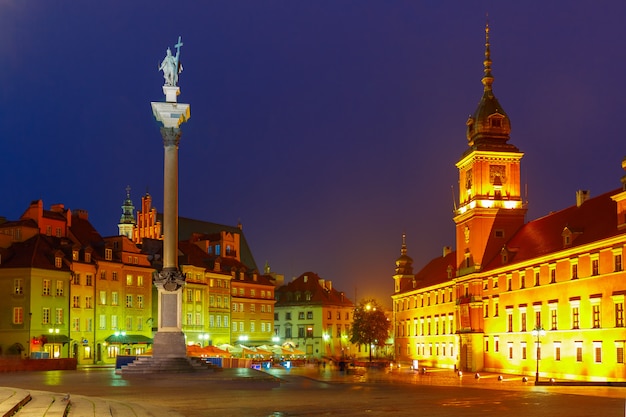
497, 171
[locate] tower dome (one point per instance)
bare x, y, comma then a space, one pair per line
128, 209
489, 125
404, 264
127, 220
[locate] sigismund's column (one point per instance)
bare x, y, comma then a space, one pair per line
169, 341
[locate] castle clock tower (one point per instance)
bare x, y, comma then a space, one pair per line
491, 207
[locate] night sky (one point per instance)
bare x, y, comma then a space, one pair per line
328, 128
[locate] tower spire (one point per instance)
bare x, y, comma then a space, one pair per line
127, 220
403, 249
488, 77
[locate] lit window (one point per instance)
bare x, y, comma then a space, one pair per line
18, 315
18, 287
46, 287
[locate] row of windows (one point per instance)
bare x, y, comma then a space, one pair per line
239, 307
239, 326
593, 320
251, 292
222, 302
18, 283
130, 323
338, 327
521, 350
425, 300
426, 327
440, 295
430, 349
309, 315
537, 278
220, 283
303, 332
18, 315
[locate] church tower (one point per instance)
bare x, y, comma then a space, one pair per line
404, 269
127, 221
490, 203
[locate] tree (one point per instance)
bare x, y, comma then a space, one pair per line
370, 325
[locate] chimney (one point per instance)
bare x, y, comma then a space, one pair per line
581, 197
305, 278
447, 250
329, 285
57, 208
321, 282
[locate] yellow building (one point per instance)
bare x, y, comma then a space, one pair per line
543, 298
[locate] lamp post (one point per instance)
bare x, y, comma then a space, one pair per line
30, 320
538, 332
368, 309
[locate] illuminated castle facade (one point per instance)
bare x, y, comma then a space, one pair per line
544, 297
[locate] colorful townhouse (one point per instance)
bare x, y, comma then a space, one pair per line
315, 318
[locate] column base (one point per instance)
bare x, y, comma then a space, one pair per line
169, 345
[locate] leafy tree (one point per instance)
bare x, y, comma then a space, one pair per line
370, 325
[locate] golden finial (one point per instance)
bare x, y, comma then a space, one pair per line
487, 78
403, 250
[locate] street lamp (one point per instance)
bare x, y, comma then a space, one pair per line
204, 338
538, 332
53, 334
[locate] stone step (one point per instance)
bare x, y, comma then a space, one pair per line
45, 404
148, 364
11, 400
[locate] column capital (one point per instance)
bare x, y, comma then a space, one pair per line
169, 280
171, 136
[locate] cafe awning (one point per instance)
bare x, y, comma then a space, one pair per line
54, 338
129, 339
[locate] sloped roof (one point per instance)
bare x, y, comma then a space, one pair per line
36, 252
310, 282
435, 272
192, 254
593, 220
187, 227
84, 232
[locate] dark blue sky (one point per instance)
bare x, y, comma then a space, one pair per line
328, 128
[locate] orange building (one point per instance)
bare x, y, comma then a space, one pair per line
543, 298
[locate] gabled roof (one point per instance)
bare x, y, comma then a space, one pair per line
320, 292
594, 220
